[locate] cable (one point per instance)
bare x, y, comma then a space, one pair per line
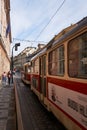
17, 39
50, 20
43, 28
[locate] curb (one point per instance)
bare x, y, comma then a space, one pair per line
19, 116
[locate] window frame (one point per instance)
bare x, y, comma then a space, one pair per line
50, 63
79, 37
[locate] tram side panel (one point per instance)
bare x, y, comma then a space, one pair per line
66, 93
35, 77
39, 79
68, 103
67, 84
65, 79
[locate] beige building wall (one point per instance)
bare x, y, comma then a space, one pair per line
21, 59
4, 41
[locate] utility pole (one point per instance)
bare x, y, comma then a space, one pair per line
12, 65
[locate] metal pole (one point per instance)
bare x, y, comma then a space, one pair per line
12, 64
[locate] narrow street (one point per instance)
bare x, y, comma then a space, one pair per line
34, 115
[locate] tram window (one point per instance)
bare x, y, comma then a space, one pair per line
32, 68
40, 66
56, 61
77, 55
44, 65
37, 66
26, 69
29, 69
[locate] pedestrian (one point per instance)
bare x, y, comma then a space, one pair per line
9, 77
4, 77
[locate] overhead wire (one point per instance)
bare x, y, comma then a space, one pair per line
50, 20
43, 28
23, 40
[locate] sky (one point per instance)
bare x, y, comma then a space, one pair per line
38, 21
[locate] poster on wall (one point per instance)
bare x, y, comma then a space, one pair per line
71, 102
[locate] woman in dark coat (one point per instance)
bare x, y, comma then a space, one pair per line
9, 77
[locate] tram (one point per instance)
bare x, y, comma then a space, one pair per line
26, 73
59, 76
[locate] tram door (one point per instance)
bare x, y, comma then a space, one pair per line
43, 77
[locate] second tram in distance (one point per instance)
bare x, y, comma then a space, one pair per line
58, 76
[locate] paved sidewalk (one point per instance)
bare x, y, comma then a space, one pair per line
7, 108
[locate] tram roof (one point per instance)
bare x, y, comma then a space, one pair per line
42, 51
82, 23
76, 28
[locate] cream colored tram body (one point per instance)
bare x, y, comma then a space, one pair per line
59, 76
26, 73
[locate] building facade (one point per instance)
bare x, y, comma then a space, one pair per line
5, 36
21, 58
25, 56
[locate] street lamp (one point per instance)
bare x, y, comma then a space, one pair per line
16, 47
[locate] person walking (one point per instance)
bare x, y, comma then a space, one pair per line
9, 77
4, 77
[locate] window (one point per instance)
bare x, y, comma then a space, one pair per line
35, 82
26, 69
77, 54
56, 61
32, 68
37, 65
40, 66
29, 69
44, 65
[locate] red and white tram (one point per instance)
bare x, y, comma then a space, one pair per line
26, 73
59, 76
